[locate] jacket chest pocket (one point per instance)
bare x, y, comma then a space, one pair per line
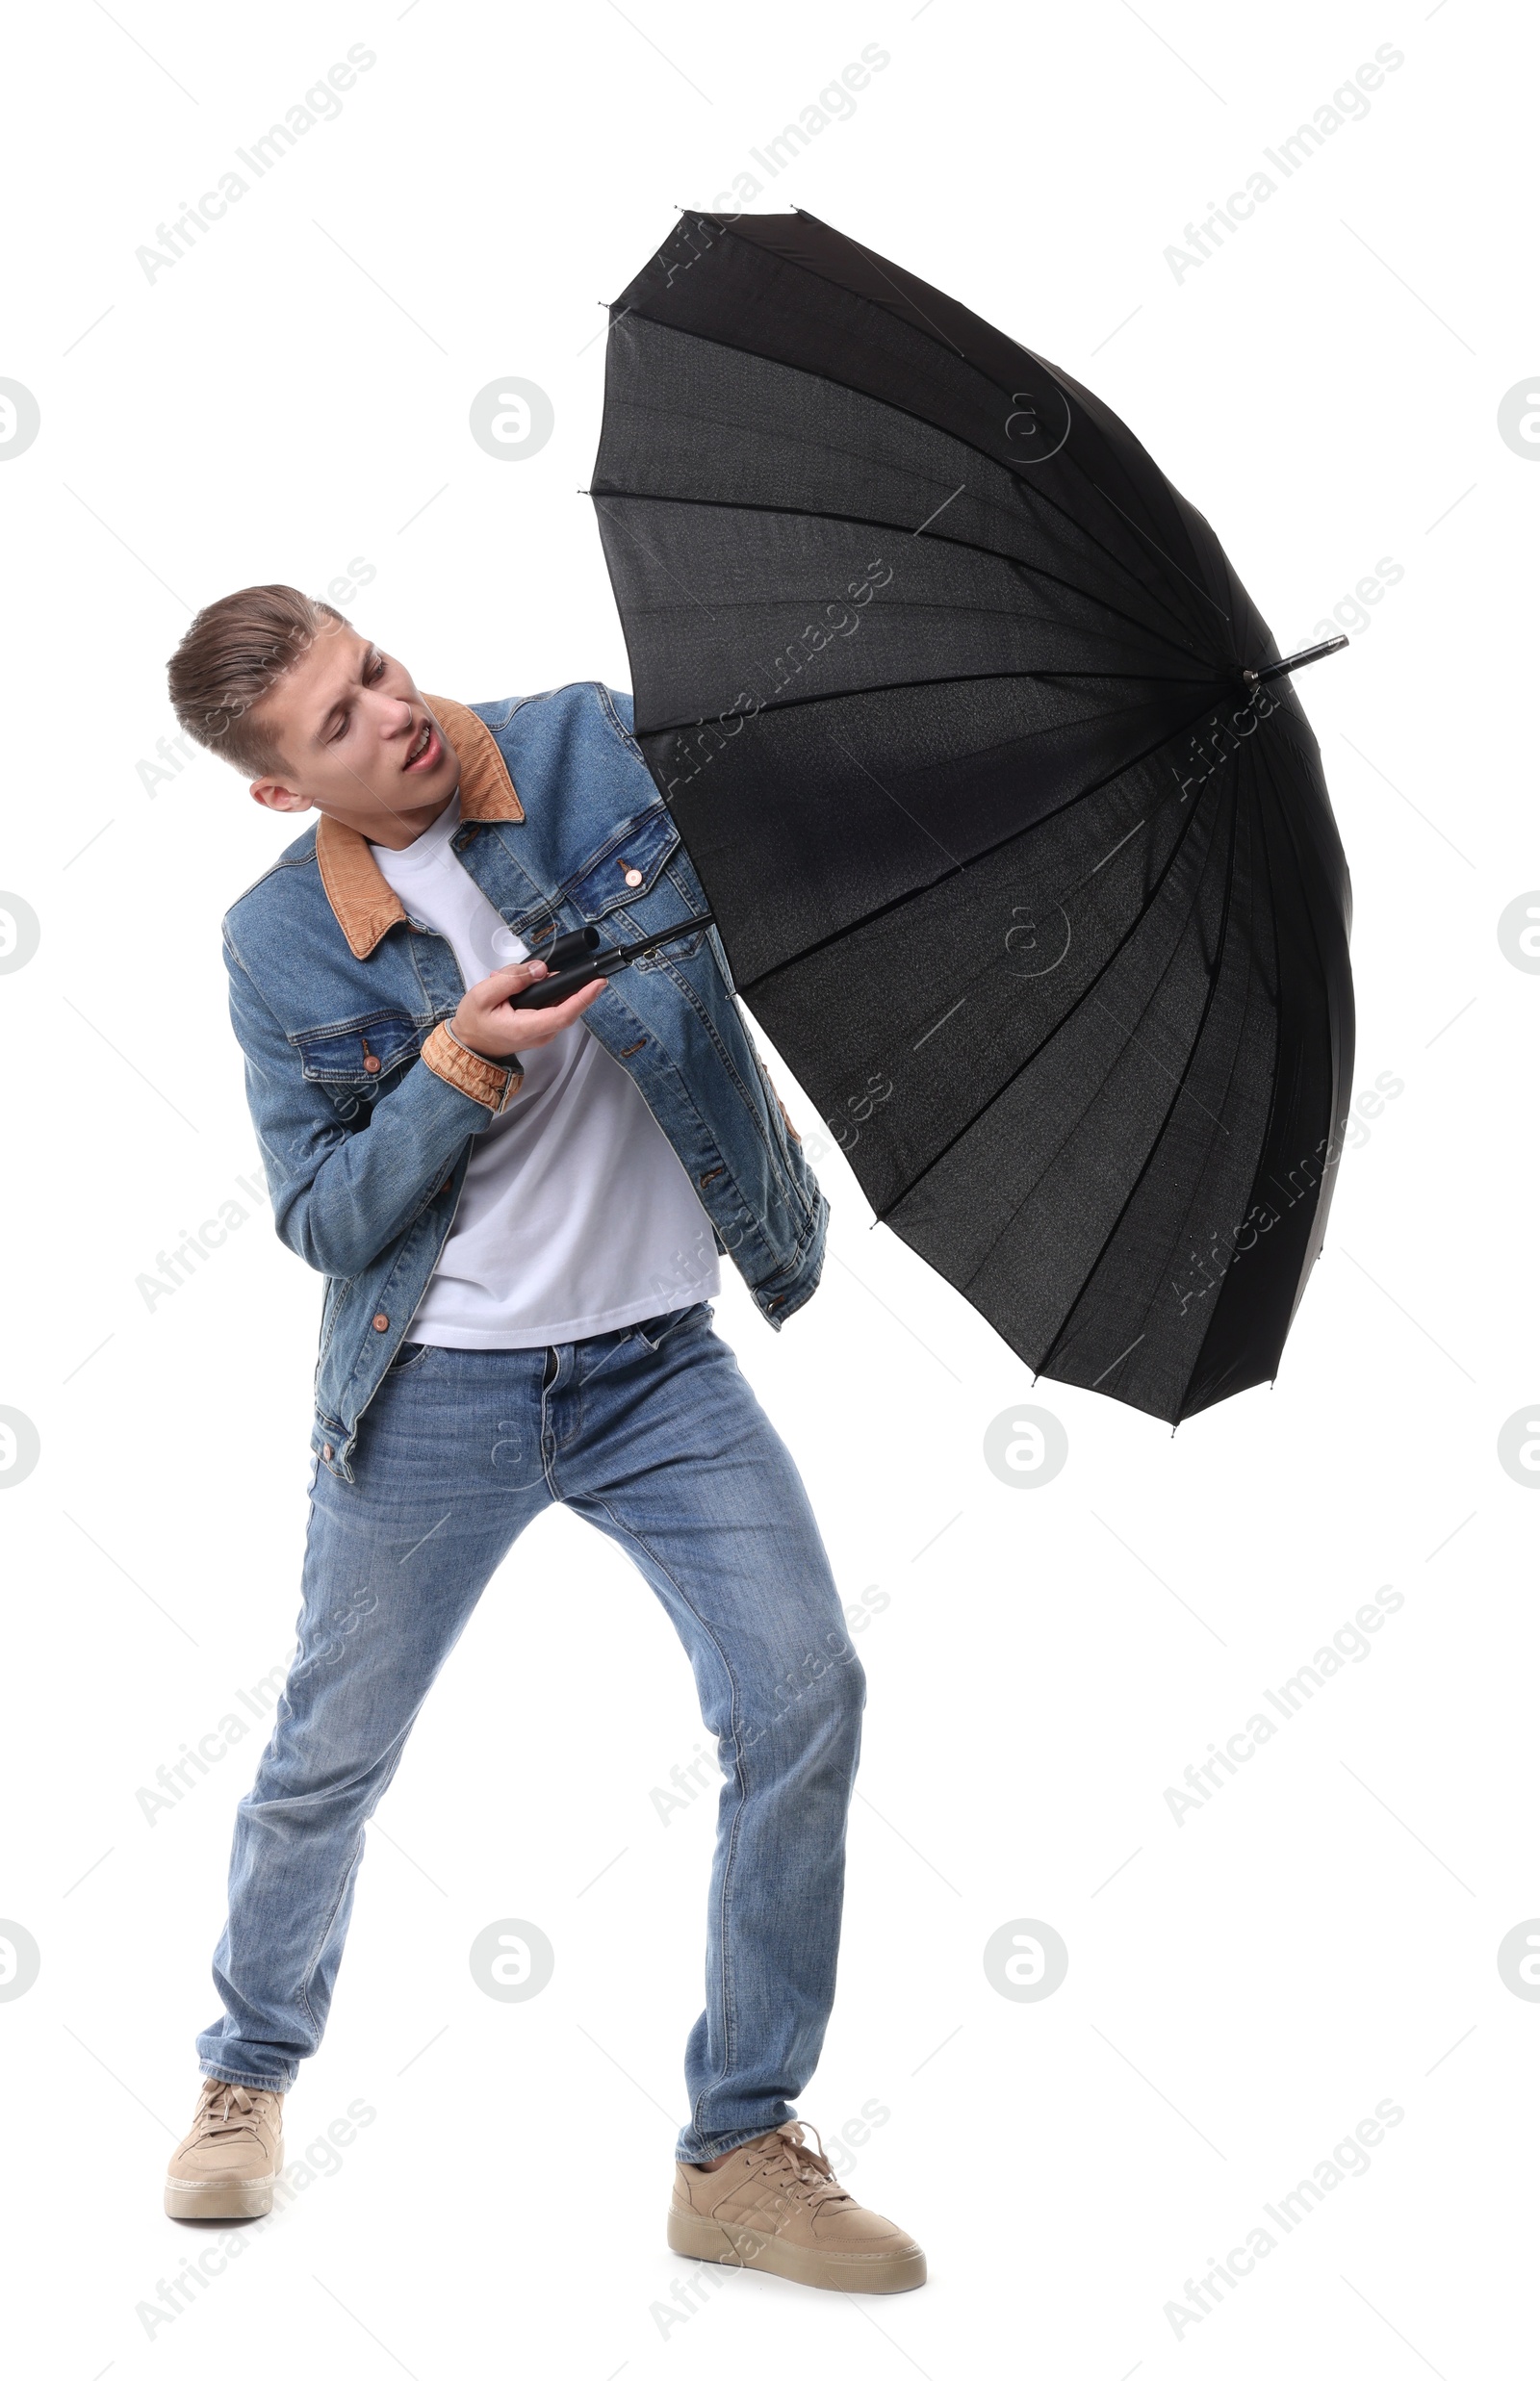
360, 1055
628, 867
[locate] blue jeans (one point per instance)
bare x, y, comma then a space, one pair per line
652, 1434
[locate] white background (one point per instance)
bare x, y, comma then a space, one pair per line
1242, 1989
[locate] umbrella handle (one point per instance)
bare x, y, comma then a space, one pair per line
576, 959
1296, 661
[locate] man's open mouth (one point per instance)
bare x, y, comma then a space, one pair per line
425, 748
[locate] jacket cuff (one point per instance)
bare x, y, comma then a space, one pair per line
467, 1070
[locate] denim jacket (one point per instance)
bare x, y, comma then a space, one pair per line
367, 1107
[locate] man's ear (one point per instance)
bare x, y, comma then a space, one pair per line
274, 795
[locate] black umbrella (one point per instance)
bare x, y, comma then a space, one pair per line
1014, 828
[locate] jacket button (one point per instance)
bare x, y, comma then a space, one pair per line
382, 1323
327, 1454
633, 877
372, 1065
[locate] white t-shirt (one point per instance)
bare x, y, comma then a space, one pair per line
575, 1216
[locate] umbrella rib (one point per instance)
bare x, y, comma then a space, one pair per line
1145, 534
1214, 973
956, 678
992, 965
889, 796
1040, 1363
866, 521
1090, 993
916, 892
908, 413
872, 258
1171, 1109
1057, 1027
699, 602
1309, 910
1272, 1101
1076, 462
1041, 362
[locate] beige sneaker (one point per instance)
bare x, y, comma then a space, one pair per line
227, 2163
777, 2206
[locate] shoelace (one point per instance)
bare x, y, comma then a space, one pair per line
805, 2173
229, 2108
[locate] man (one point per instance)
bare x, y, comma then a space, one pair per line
519, 1212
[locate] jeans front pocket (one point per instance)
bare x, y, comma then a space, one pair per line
658, 1329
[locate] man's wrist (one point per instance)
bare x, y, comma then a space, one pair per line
493, 1058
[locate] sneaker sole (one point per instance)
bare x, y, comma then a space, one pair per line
722, 2244
254, 2197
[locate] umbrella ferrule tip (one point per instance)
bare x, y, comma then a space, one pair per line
1295, 661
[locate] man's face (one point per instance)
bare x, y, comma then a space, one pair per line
358, 741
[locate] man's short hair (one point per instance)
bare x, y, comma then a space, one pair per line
232, 656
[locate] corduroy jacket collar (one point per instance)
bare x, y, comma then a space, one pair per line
363, 904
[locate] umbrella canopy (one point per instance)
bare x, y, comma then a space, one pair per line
1020, 858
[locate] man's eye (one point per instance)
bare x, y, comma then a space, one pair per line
375, 671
